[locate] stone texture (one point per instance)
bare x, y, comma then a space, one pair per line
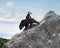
45, 35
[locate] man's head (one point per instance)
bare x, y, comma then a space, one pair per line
29, 12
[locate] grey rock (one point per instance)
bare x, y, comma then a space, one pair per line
45, 35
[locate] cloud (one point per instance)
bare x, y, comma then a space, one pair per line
8, 15
2, 10
10, 4
18, 16
10, 29
5, 35
5, 15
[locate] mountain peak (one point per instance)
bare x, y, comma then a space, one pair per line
51, 12
45, 35
51, 16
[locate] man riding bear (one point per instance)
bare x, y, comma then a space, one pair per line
28, 22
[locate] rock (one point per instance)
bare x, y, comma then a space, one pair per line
45, 35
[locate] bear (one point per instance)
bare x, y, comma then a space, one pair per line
27, 23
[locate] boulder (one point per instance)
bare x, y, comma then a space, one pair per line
45, 35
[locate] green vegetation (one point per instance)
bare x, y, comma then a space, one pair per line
2, 41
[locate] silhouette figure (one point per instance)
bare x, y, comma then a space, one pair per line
28, 22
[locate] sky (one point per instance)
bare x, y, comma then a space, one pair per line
13, 11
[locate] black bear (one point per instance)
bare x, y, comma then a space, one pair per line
27, 23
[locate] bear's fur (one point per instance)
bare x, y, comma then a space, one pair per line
27, 23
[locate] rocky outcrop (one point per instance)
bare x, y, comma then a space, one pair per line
45, 35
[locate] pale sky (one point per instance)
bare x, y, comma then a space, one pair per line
13, 11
